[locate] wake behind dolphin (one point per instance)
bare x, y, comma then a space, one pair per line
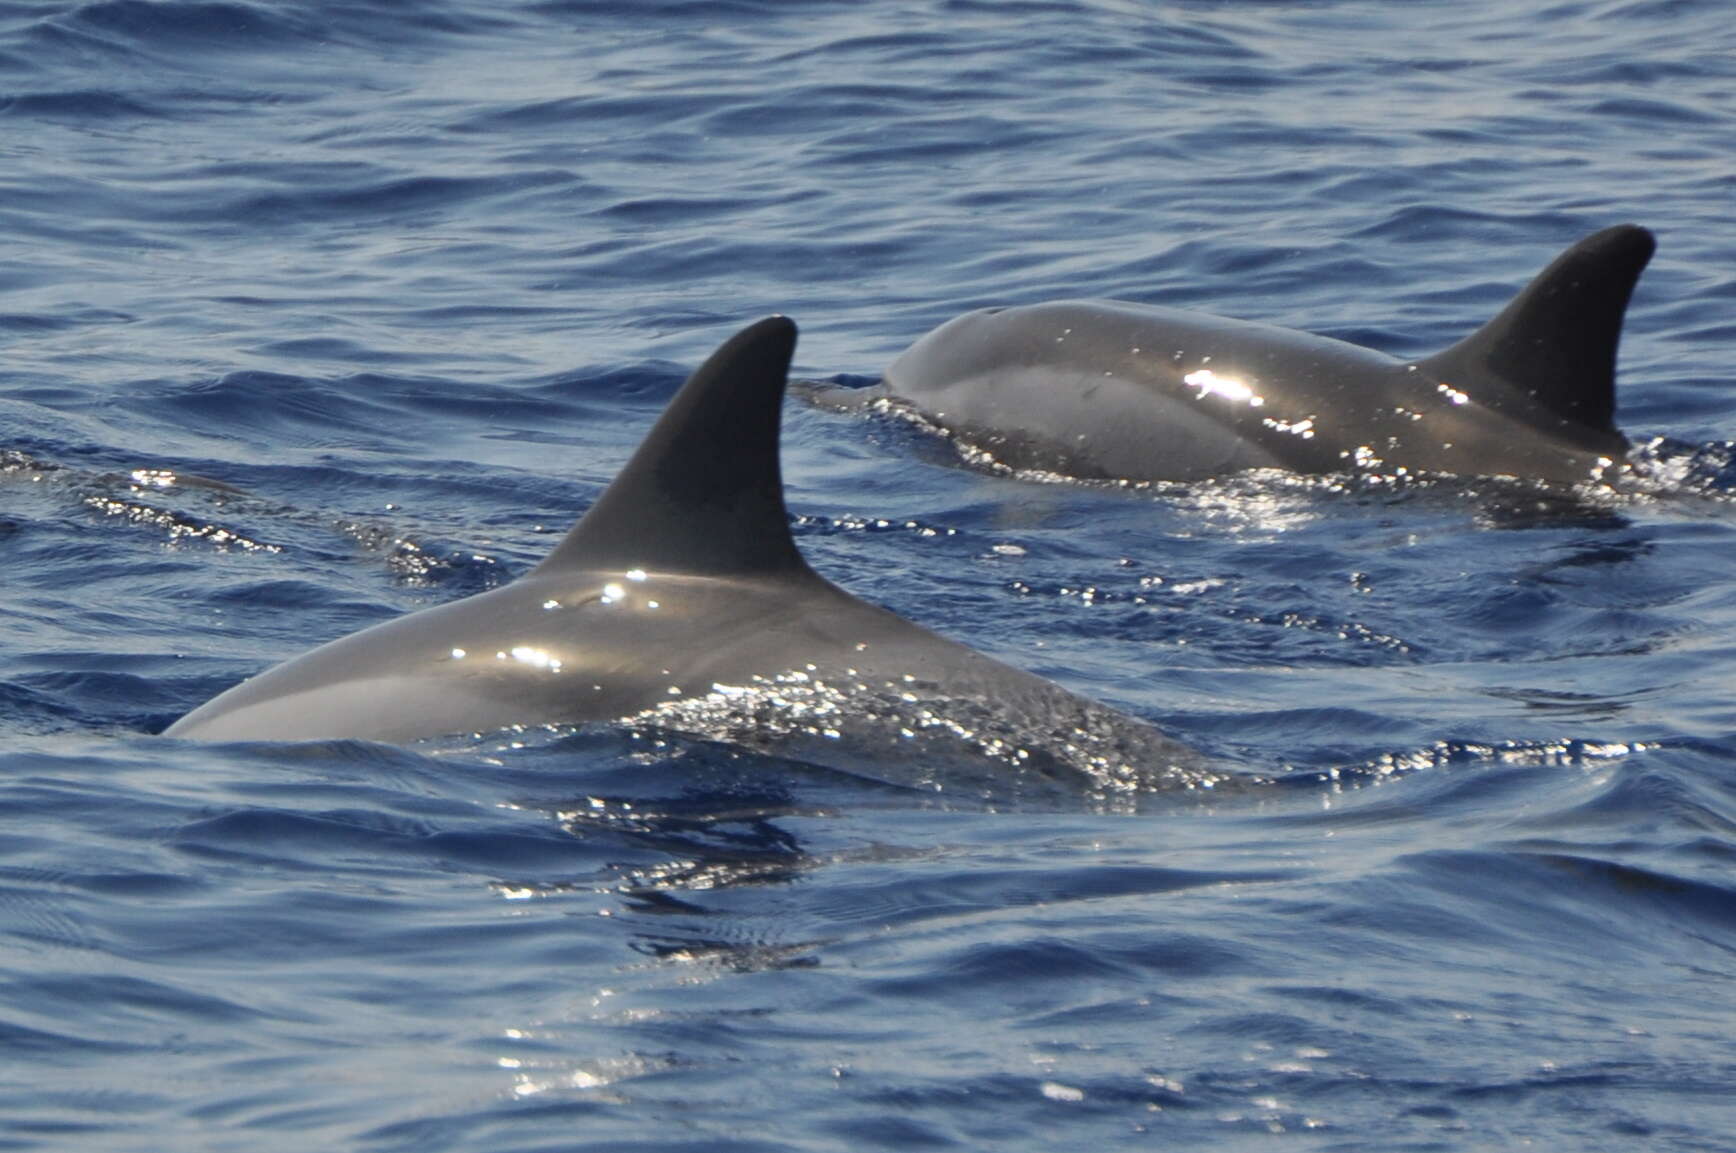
1107, 389
680, 600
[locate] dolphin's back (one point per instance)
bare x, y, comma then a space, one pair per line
680, 600
1100, 388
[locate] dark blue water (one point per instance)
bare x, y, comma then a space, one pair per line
316, 313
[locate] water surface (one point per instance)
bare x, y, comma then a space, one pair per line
314, 314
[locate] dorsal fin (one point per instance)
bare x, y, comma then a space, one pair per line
703, 493
1556, 341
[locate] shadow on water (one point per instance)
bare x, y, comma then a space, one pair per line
711, 849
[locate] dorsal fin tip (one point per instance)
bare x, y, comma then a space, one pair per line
703, 493
1556, 341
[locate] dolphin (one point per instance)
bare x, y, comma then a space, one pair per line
1103, 389
680, 601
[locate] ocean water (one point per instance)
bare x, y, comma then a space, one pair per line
316, 313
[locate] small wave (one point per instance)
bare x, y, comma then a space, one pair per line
88, 105
387, 199
204, 25
193, 32
1574, 896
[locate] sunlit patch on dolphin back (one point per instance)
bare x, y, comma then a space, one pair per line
913, 735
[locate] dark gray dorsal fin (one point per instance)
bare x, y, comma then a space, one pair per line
703, 493
1556, 341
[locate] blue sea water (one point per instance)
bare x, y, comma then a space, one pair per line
316, 313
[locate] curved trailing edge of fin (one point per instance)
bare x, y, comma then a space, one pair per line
703, 493
1556, 341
